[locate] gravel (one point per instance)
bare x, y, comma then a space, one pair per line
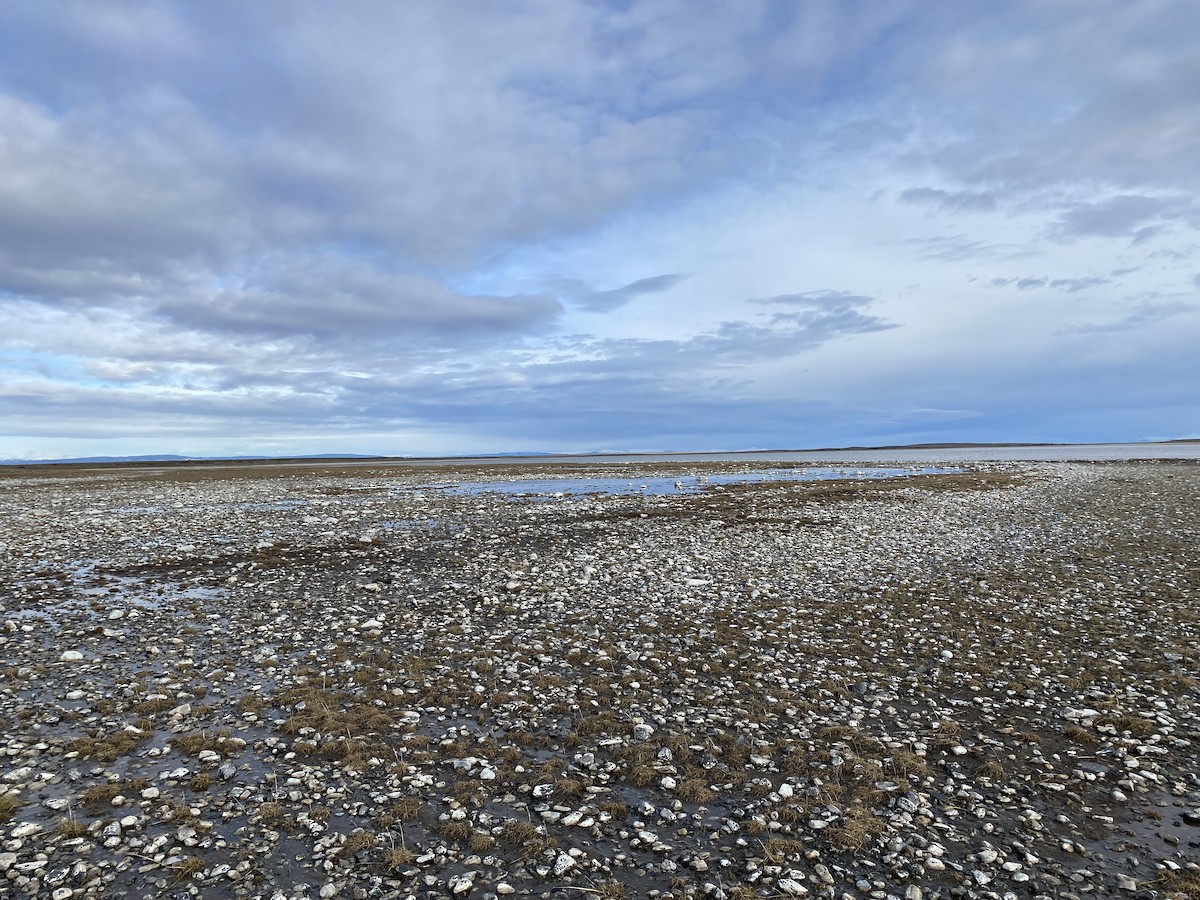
284, 682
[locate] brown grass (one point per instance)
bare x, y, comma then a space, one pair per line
481, 843
1180, 885
403, 810
188, 867
614, 808
695, 790
396, 857
856, 828
358, 842
1135, 725
71, 828
454, 829
990, 769
100, 794
194, 744
107, 748
905, 764
1078, 735
9, 804
779, 851
270, 812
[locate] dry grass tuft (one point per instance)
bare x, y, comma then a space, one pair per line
358, 842
454, 829
695, 790
194, 744
481, 843
397, 857
779, 851
270, 812
188, 867
904, 764
614, 808
991, 769
9, 804
100, 794
855, 830
1079, 735
71, 828
108, 748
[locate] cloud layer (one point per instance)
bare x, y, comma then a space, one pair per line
430, 227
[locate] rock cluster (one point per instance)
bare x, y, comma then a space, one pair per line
337, 682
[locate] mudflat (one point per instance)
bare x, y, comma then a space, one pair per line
344, 682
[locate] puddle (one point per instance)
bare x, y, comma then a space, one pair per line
553, 488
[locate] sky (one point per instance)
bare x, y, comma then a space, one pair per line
430, 228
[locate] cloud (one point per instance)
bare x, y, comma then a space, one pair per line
1128, 215
957, 201
268, 219
1070, 285
1142, 315
345, 300
593, 300
960, 248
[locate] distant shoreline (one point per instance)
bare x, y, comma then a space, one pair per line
173, 461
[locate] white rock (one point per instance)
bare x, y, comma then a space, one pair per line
24, 830
792, 887
71, 656
460, 884
562, 863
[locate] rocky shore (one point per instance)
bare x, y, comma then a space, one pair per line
333, 682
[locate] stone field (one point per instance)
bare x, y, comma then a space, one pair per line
343, 681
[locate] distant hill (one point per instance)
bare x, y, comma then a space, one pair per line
96, 460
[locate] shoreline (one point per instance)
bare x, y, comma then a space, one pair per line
248, 682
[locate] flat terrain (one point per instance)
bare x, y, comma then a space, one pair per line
331, 682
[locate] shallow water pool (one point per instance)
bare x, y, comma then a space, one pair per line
672, 484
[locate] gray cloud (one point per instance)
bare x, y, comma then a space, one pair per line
358, 302
1070, 285
227, 218
960, 248
957, 201
1144, 313
1128, 215
594, 300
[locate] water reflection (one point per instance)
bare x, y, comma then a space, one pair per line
670, 484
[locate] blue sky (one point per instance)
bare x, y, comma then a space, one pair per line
427, 227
